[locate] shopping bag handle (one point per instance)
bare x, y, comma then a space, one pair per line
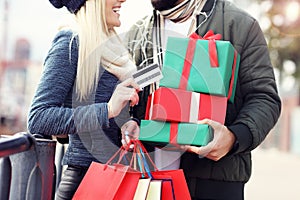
142, 156
146, 172
143, 165
145, 153
122, 151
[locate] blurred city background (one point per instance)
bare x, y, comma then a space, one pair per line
28, 27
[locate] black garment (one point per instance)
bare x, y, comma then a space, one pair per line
256, 106
70, 182
202, 189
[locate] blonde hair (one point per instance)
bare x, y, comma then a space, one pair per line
92, 32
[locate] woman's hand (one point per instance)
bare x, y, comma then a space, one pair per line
125, 91
130, 131
221, 144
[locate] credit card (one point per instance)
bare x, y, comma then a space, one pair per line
147, 75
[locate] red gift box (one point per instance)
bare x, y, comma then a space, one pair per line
175, 105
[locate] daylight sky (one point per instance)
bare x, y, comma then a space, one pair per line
38, 20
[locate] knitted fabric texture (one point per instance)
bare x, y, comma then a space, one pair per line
72, 5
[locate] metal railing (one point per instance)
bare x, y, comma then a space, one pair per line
16, 143
27, 168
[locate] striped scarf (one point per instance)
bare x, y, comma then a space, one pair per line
180, 13
184, 10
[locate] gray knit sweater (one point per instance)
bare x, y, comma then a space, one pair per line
55, 110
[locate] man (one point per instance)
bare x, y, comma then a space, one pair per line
220, 169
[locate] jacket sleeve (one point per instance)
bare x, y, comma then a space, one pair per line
261, 104
48, 114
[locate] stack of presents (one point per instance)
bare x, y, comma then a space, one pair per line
199, 78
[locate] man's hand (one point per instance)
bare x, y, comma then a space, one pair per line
220, 145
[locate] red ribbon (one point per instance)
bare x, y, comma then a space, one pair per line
213, 54
187, 64
232, 75
173, 133
212, 48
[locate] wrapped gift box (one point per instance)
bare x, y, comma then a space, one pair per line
175, 105
161, 133
206, 66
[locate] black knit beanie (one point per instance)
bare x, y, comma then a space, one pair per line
72, 5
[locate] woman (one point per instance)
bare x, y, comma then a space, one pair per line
79, 94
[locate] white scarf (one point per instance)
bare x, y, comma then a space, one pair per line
116, 59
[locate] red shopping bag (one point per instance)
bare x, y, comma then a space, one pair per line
165, 192
109, 182
180, 187
176, 187
167, 187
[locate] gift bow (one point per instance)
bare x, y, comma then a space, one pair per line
213, 55
211, 37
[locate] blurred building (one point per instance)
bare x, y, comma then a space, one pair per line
285, 136
16, 86
22, 50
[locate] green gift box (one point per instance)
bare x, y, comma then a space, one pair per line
188, 65
160, 133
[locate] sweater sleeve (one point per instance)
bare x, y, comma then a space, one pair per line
48, 114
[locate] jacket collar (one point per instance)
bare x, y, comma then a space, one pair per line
208, 6
205, 14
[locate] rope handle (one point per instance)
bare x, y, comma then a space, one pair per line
122, 151
145, 153
140, 156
